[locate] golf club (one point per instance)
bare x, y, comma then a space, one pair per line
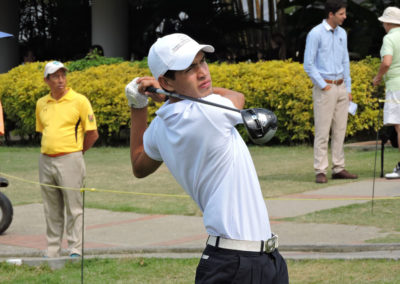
260, 124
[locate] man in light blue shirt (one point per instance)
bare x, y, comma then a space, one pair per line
326, 61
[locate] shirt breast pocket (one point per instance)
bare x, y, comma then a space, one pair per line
325, 47
341, 45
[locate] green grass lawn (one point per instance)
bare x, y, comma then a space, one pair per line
173, 271
383, 216
281, 170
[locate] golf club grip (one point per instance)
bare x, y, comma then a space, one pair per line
183, 97
151, 89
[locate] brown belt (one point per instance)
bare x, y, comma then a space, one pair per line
56, 155
336, 82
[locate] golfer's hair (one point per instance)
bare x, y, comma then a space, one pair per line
170, 74
333, 6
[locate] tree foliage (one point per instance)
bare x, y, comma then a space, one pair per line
239, 29
365, 32
55, 29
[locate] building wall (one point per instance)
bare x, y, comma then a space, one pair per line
110, 29
110, 20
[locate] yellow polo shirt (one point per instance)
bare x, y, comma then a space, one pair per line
63, 122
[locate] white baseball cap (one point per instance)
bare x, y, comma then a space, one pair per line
52, 67
173, 52
391, 15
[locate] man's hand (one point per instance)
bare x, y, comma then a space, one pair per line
135, 98
145, 82
327, 88
377, 80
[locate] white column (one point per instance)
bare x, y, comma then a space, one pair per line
9, 18
110, 27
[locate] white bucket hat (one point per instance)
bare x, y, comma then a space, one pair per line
173, 52
391, 15
52, 67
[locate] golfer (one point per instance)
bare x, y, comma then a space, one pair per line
326, 61
390, 70
205, 153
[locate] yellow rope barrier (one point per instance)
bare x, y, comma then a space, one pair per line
94, 189
187, 196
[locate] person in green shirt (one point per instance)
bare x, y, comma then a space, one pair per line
389, 70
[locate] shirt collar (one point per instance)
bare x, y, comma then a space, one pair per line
394, 30
168, 109
67, 97
327, 26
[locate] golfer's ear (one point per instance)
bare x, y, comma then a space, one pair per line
165, 83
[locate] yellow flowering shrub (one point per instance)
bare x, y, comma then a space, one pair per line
281, 86
105, 88
285, 88
365, 95
20, 88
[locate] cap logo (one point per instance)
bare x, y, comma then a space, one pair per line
182, 43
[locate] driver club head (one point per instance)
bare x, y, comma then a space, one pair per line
261, 124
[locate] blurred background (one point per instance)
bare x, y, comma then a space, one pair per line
241, 30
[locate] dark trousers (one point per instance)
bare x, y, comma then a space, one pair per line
231, 266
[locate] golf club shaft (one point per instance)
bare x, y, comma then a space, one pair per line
183, 97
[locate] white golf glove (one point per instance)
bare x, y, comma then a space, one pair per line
135, 99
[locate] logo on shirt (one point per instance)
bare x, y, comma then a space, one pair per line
91, 117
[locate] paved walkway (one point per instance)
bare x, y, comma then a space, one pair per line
121, 234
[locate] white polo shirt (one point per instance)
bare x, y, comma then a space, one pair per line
207, 156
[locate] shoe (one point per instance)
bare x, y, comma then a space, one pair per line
344, 175
321, 178
74, 255
395, 173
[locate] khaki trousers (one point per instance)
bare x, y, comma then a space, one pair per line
330, 113
67, 171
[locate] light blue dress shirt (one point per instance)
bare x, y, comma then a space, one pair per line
326, 55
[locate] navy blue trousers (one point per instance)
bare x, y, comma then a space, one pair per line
219, 265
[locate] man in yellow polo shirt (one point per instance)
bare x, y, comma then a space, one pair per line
68, 126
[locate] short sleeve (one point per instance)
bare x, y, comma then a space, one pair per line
87, 115
39, 126
387, 46
232, 118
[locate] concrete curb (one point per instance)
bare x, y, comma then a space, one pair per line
199, 250
58, 263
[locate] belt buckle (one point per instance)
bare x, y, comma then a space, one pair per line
271, 244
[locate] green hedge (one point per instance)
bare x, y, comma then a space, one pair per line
281, 86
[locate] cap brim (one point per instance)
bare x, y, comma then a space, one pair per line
187, 57
3, 35
54, 71
389, 21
